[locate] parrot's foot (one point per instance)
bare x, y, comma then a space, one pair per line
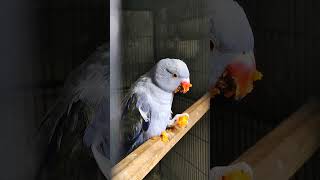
181, 120
240, 171
164, 136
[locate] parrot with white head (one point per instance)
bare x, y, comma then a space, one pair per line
147, 106
232, 62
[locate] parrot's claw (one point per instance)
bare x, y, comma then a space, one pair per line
164, 136
174, 119
240, 171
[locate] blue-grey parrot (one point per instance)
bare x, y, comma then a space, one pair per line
232, 62
147, 106
77, 127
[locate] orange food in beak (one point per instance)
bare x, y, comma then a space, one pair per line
184, 87
237, 80
243, 77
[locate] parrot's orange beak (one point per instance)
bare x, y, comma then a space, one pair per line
238, 77
184, 87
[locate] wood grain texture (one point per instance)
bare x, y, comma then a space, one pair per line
282, 152
141, 161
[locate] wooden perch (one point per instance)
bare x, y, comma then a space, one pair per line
282, 152
141, 161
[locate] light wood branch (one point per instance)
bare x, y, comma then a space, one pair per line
282, 152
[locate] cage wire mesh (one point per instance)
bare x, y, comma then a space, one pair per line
174, 29
137, 52
181, 33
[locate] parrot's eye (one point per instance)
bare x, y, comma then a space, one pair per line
173, 74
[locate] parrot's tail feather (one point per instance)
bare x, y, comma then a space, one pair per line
64, 148
48, 115
52, 119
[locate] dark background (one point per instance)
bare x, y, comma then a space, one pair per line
287, 42
41, 42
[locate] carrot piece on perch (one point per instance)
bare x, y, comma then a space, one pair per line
164, 136
183, 121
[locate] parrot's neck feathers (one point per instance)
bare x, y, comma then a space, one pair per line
146, 86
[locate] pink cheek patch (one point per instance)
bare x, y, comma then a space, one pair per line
243, 77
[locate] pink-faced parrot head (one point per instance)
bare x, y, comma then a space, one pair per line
243, 72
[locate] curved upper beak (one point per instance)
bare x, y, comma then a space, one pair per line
185, 86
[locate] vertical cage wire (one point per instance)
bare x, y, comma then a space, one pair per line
181, 33
174, 29
137, 45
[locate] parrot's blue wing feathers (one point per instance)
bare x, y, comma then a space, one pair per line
145, 125
134, 120
145, 112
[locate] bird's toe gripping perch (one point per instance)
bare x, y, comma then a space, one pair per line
181, 120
